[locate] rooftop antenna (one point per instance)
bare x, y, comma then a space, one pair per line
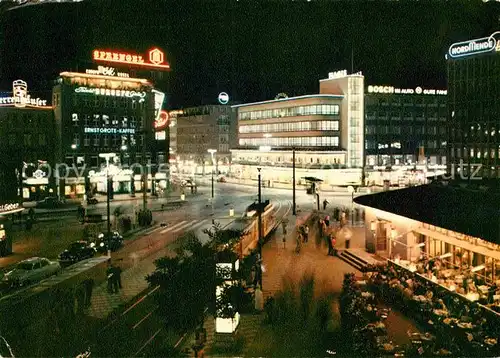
352, 60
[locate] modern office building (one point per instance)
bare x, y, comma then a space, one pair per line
199, 129
27, 129
100, 114
474, 107
325, 130
405, 127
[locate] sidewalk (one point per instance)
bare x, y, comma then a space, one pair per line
281, 261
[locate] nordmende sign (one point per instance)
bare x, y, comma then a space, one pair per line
474, 47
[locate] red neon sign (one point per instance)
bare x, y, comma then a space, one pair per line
162, 120
155, 58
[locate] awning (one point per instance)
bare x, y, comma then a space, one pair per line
479, 249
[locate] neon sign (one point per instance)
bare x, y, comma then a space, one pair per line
109, 130
110, 92
20, 97
474, 47
9, 207
159, 97
162, 120
106, 71
155, 58
417, 90
223, 98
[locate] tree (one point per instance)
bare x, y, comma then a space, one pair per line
188, 280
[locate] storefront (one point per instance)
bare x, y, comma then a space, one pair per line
6, 212
460, 262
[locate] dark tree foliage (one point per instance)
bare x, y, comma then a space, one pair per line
188, 280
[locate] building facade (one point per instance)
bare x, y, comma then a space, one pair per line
199, 129
27, 129
98, 115
325, 130
405, 127
474, 107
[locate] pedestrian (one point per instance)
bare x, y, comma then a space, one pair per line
258, 274
327, 220
306, 233
118, 278
110, 274
333, 242
325, 203
88, 286
298, 241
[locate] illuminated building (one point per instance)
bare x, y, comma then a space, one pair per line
325, 129
97, 114
405, 126
474, 107
201, 128
27, 130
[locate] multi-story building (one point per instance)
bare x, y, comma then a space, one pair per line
199, 129
98, 115
474, 107
405, 126
325, 130
27, 129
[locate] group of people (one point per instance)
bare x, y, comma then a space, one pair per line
302, 237
113, 274
327, 235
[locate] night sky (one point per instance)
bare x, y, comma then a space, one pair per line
252, 50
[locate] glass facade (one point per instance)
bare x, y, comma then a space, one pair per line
291, 142
355, 132
400, 127
291, 127
473, 115
315, 109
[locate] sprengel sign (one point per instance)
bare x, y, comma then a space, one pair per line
473, 47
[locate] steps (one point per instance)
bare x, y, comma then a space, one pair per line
353, 259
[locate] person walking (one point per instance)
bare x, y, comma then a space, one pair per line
298, 240
325, 203
306, 233
110, 274
330, 244
118, 278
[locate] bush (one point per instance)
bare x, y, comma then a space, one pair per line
125, 224
145, 217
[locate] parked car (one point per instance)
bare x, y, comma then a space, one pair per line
77, 251
92, 201
50, 202
31, 271
104, 242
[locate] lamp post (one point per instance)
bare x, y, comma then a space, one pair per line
107, 156
212, 152
294, 206
259, 222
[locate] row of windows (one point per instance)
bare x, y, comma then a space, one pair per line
106, 102
321, 109
291, 141
291, 127
407, 116
28, 139
107, 140
430, 144
477, 153
104, 120
372, 130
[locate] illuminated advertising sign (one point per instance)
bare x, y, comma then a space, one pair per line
155, 58
20, 97
417, 90
223, 98
9, 207
109, 130
159, 98
106, 71
110, 92
162, 120
474, 47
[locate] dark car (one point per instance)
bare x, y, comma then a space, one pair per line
50, 202
112, 242
77, 251
92, 201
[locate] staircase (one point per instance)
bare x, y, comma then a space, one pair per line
352, 259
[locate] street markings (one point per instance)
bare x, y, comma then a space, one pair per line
172, 227
185, 226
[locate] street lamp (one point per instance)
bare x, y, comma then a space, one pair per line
294, 206
259, 223
212, 152
108, 156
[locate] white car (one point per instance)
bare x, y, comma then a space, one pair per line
31, 271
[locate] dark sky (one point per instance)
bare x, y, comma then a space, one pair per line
252, 50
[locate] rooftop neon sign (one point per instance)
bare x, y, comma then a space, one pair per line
155, 58
474, 47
